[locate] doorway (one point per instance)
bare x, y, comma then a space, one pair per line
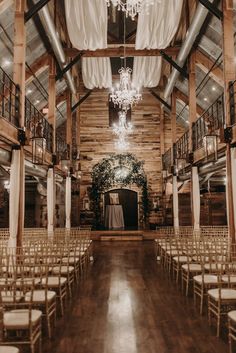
128, 199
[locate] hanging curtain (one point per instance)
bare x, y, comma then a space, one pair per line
15, 199
196, 202
87, 28
87, 23
50, 201
147, 71
155, 30
175, 202
96, 72
68, 202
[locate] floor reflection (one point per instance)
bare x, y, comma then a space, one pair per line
120, 333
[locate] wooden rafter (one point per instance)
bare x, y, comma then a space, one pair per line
206, 64
183, 98
119, 51
38, 66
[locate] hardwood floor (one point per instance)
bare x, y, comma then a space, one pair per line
127, 305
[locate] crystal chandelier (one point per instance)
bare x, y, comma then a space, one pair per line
125, 95
122, 128
132, 7
122, 144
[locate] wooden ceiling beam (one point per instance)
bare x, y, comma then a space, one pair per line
183, 98
38, 66
119, 51
206, 64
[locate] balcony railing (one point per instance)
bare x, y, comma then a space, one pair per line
210, 122
61, 147
167, 159
232, 93
182, 146
9, 99
34, 118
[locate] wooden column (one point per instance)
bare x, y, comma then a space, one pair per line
52, 99
192, 112
173, 116
69, 121
192, 95
229, 75
162, 151
78, 141
19, 78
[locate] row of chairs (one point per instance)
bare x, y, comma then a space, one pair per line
204, 262
36, 282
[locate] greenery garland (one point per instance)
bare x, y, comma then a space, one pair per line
123, 169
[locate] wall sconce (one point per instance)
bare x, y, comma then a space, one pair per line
210, 146
38, 144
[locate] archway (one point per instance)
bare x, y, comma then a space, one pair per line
129, 202
117, 172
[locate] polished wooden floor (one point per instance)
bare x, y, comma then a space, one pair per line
127, 305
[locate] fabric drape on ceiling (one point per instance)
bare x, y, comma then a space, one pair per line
155, 30
87, 28
147, 71
50, 201
87, 23
96, 72
196, 198
175, 202
14, 197
68, 203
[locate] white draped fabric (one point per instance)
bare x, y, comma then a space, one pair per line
50, 201
147, 71
156, 29
87, 23
68, 202
87, 28
14, 197
233, 166
196, 198
175, 202
96, 72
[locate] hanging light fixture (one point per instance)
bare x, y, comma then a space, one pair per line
122, 128
132, 7
125, 94
122, 144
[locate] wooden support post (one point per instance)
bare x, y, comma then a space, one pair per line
229, 75
52, 99
78, 141
69, 121
173, 121
19, 78
162, 151
192, 114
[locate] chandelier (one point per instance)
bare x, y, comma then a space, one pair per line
122, 128
125, 95
131, 7
122, 144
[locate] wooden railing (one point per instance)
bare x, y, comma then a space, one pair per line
35, 120
9, 99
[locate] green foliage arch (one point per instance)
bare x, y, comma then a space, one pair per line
123, 169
